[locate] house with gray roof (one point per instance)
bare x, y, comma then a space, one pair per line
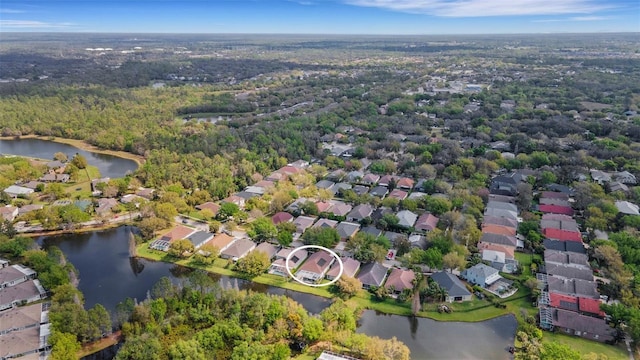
278, 266
361, 189
627, 208
495, 220
325, 223
340, 209
269, 249
14, 275
372, 274
325, 184
355, 176
379, 191
481, 274
406, 218
347, 230
200, 238
564, 257
499, 239
573, 246
360, 212
22, 293
625, 177
573, 287
456, 291
502, 205
372, 230
509, 214
370, 179
568, 271
573, 323
238, 249
302, 223
15, 191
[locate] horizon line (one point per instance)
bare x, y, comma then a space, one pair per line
316, 34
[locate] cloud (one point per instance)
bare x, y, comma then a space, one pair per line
574, 18
32, 24
481, 8
11, 11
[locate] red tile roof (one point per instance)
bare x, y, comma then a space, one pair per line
574, 303
508, 250
591, 306
398, 194
556, 209
498, 229
400, 279
178, 232
210, 206
405, 183
562, 235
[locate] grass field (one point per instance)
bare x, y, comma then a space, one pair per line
584, 346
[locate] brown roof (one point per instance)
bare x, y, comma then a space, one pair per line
177, 232
351, 267
221, 240
20, 317
239, 248
405, 183
318, 262
210, 206
426, 221
498, 229
400, 279
281, 217
18, 342
508, 250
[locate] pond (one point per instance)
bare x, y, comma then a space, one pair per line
109, 165
430, 339
108, 276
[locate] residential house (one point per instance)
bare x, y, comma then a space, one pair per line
618, 186
554, 195
498, 229
325, 184
579, 304
53, 177
355, 176
300, 164
502, 198
324, 206
360, 212
14, 275
456, 291
278, 266
372, 230
398, 194
269, 249
502, 205
563, 257
417, 195
387, 180
315, 267
104, 206
281, 217
575, 287
379, 191
9, 212
238, 249
573, 323
254, 190
176, 233
302, 223
350, 265
627, 208
572, 246
552, 201
361, 189
23, 293
15, 191
509, 251
561, 188
211, 206
509, 214
32, 184
569, 271
562, 235
600, 177
29, 208
625, 177
399, 280
499, 239
405, 183
567, 225
340, 209
347, 230
56, 165
499, 261
556, 209
406, 218
370, 179
372, 274
235, 199
481, 274
199, 238
504, 185
221, 241
502, 221
146, 193
95, 182
341, 187
325, 223
427, 222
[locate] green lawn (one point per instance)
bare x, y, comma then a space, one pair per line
584, 346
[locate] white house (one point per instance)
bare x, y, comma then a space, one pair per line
481, 274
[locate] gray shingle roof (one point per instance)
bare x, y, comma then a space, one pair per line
372, 274
451, 283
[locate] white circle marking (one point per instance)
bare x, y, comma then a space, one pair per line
286, 265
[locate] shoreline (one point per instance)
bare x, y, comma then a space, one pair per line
83, 145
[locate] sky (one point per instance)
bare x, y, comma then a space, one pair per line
393, 17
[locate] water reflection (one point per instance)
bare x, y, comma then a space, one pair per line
109, 166
136, 265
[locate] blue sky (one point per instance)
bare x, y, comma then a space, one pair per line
321, 16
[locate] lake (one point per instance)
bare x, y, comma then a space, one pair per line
109, 165
108, 276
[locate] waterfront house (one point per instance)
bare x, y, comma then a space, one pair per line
481, 274
456, 291
351, 267
199, 238
238, 249
278, 266
399, 280
372, 274
14, 275
315, 267
269, 249
23, 293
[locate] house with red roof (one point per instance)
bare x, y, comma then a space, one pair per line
398, 194
316, 267
498, 229
405, 183
213, 207
399, 280
575, 303
281, 217
562, 235
556, 209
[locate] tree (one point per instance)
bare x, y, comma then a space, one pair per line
180, 248
206, 255
348, 286
64, 346
327, 237
55, 191
453, 261
166, 211
144, 347
228, 210
60, 156
79, 161
262, 229
100, 319
555, 350
186, 350
254, 263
